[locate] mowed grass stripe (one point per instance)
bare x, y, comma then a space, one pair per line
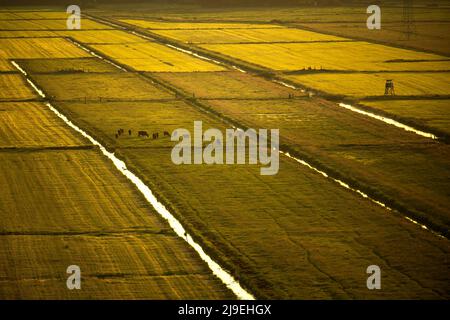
14, 87
393, 162
148, 24
53, 191
35, 48
5, 65
245, 35
362, 85
47, 24
358, 56
155, 57
83, 36
429, 113
103, 256
30, 124
227, 85
91, 86
183, 287
80, 191
66, 65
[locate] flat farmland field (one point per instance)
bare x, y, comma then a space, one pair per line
14, 87
274, 215
27, 34
69, 65
245, 35
154, 57
84, 217
5, 65
136, 263
383, 157
272, 212
32, 124
160, 25
229, 85
349, 190
83, 36
97, 86
430, 113
149, 116
428, 35
35, 48
373, 84
101, 36
359, 56
34, 15
47, 24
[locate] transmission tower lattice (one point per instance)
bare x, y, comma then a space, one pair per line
408, 19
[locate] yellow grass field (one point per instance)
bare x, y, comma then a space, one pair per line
245, 35
155, 57
60, 24
26, 14
112, 86
84, 36
147, 24
28, 34
5, 65
101, 36
293, 222
84, 213
30, 48
349, 190
128, 264
372, 84
360, 56
14, 87
32, 124
432, 113
66, 65
151, 116
366, 149
227, 84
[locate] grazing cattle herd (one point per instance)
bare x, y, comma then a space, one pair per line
141, 133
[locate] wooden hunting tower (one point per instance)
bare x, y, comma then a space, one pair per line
389, 88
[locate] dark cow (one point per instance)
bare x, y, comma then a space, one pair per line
155, 135
166, 134
129, 132
142, 134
